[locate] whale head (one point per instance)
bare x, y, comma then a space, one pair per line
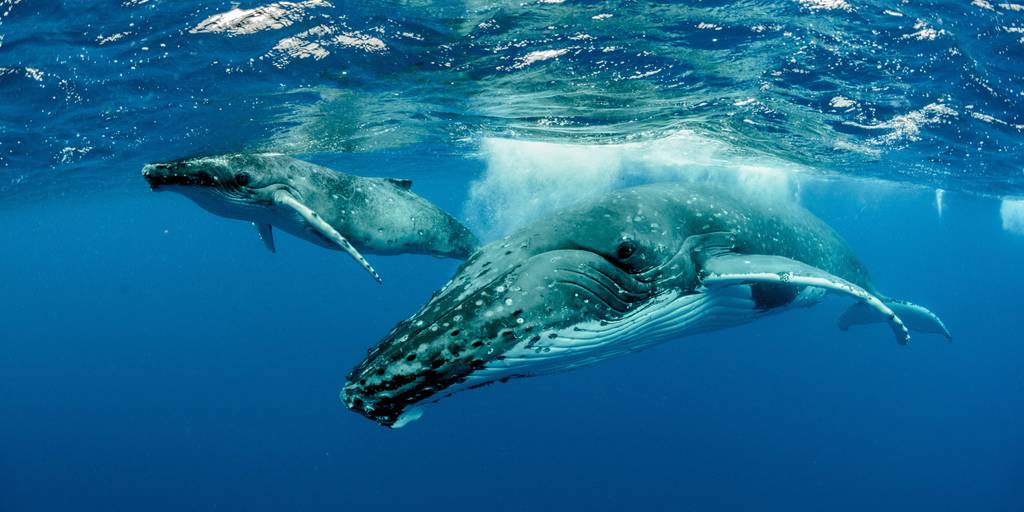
584, 285
234, 186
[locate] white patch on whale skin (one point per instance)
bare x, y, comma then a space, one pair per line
526, 180
1012, 212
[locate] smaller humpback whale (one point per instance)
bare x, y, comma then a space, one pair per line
326, 207
616, 275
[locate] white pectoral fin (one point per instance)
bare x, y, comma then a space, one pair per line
266, 232
918, 318
314, 221
743, 269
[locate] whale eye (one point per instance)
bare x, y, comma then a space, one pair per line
625, 249
242, 178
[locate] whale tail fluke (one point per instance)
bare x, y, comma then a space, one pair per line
917, 318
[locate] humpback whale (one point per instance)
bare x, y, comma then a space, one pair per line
328, 208
618, 274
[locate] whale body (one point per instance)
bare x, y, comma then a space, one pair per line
618, 274
328, 208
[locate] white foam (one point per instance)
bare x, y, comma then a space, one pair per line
525, 180
841, 102
1012, 212
102, 39
273, 16
7, 6
34, 74
992, 120
908, 126
826, 5
924, 32
538, 56
317, 42
71, 153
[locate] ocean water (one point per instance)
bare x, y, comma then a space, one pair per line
156, 357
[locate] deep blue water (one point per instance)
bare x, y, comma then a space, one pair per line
155, 357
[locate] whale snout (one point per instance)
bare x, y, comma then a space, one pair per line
174, 173
152, 173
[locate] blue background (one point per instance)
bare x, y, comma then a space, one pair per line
158, 358
154, 357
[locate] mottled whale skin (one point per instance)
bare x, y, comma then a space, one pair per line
615, 275
328, 208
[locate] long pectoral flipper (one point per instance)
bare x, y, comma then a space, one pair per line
314, 220
918, 318
743, 269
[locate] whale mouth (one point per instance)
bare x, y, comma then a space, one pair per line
162, 175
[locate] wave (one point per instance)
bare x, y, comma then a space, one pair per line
927, 95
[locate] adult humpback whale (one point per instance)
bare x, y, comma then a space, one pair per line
328, 208
619, 274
